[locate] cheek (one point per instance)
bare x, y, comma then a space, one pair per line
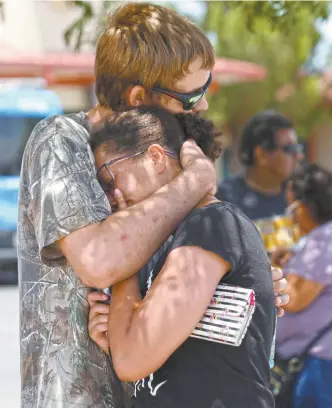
171, 104
126, 182
290, 164
283, 163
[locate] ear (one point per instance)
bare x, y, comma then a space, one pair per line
260, 156
158, 157
137, 96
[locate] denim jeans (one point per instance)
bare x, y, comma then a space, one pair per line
314, 385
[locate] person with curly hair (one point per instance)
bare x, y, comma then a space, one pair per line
308, 269
149, 324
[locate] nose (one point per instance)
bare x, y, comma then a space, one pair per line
202, 105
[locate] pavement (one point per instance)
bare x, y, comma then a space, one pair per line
9, 348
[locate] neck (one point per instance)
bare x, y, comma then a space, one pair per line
206, 200
96, 114
262, 181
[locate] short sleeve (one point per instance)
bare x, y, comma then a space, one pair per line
215, 228
313, 262
64, 194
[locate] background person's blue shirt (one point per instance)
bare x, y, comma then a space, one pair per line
254, 204
266, 210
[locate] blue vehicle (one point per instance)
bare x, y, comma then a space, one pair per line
21, 108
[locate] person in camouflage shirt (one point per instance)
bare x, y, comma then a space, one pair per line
68, 240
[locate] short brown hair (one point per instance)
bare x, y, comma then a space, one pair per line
146, 44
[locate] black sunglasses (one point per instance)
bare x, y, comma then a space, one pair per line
188, 100
292, 149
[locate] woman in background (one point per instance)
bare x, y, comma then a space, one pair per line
309, 273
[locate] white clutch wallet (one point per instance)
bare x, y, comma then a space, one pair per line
228, 316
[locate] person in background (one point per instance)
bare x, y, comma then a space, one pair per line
137, 151
68, 241
309, 273
269, 152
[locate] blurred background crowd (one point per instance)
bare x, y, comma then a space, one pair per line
271, 96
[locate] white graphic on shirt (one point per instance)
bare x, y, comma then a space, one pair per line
153, 390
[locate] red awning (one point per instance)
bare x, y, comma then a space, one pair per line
228, 70
67, 68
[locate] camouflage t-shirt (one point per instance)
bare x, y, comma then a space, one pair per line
59, 193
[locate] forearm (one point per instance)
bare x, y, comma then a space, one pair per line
125, 300
119, 246
143, 335
302, 293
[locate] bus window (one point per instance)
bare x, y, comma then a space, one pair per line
14, 133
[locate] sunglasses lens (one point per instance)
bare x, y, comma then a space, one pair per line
293, 149
193, 101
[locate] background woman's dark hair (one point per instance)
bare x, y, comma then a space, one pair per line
312, 185
135, 129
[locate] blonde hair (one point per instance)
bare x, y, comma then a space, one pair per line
146, 44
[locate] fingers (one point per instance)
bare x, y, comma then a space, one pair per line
95, 296
98, 323
276, 274
98, 332
281, 311
282, 300
120, 201
280, 286
99, 309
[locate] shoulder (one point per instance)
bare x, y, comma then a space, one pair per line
317, 244
215, 216
313, 260
228, 187
60, 128
220, 227
234, 180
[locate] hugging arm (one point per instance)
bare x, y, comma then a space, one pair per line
144, 333
70, 212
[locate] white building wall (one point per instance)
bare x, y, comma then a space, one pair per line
39, 26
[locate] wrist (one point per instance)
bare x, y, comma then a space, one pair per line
203, 174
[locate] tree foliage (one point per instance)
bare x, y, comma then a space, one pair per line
281, 15
285, 52
280, 35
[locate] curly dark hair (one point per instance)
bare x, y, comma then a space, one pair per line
312, 185
135, 129
260, 131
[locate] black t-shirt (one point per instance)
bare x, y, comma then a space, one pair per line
254, 204
204, 374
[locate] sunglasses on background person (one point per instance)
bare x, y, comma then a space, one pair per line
292, 149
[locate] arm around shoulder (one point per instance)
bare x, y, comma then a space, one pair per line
144, 334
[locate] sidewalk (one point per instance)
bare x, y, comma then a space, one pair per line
9, 348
